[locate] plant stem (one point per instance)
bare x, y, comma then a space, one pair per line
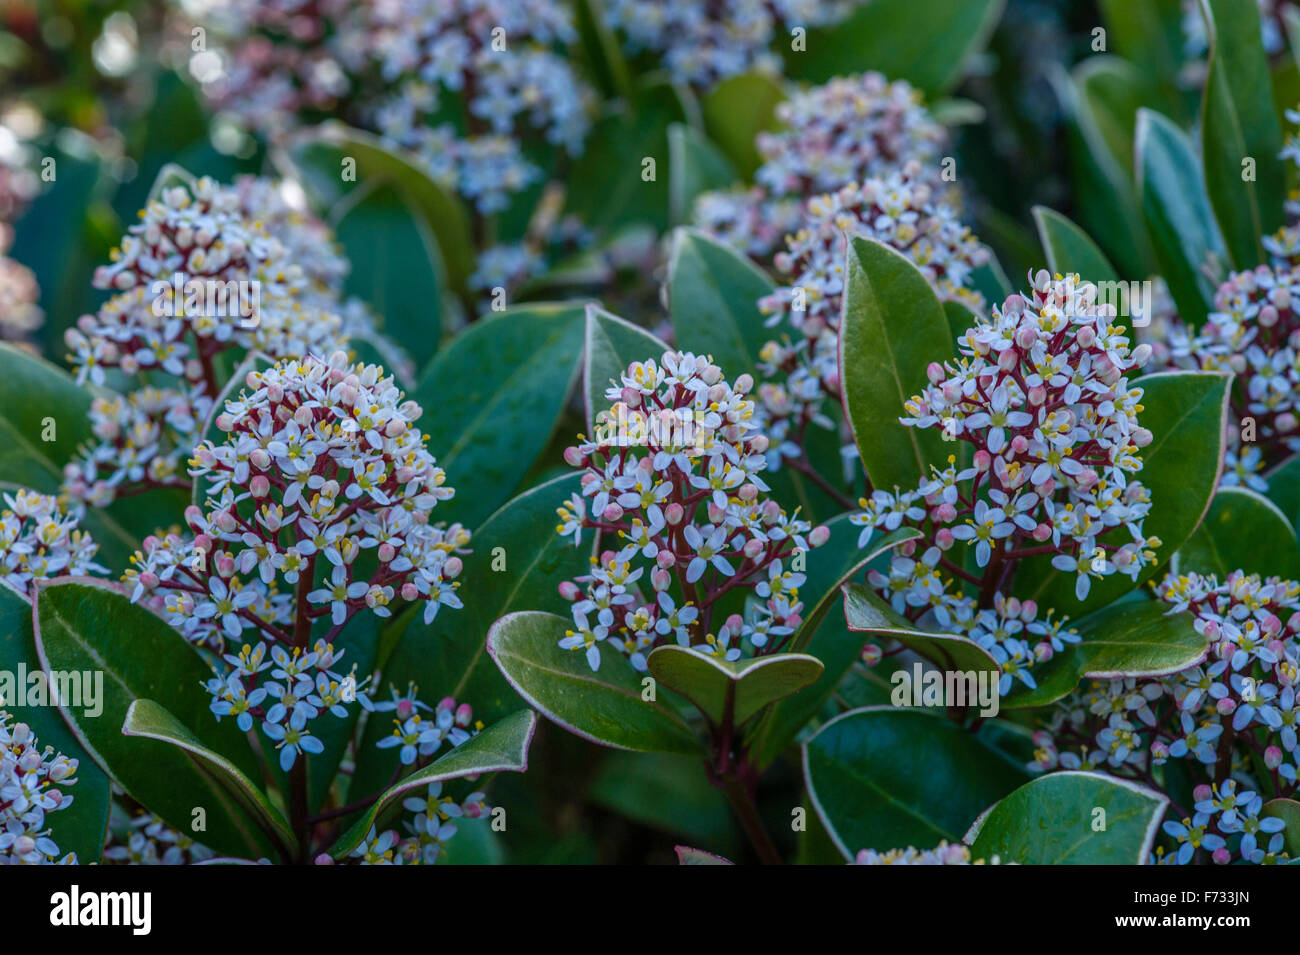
742, 803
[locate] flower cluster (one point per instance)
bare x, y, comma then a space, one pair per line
1253, 332
1231, 719
209, 268
703, 43
849, 130
897, 209
405, 68
146, 840
30, 781
19, 313
428, 831
1042, 398
689, 508
39, 538
942, 854
322, 465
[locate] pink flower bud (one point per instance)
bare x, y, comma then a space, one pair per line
735, 623
464, 715
612, 512
225, 422
225, 566
934, 371
983, 460
943, 539
410, 591
1226, 706
324, 858
945, 513
304, 417
1141, 355
674, 513
1202, 793
819, 535
451, 568
259, 486
1026, 335
753, 547
1037, 395
260, 459
1019, 444
1273, 757
1008, 360
660, 579
569, 590
759, 443
716, 514
748, 492
1086, 337
744, 384
387, 552
574, 458
1043, 652
1222, 856
1042, 532
666, 559
405, 709
872, 654
193, 517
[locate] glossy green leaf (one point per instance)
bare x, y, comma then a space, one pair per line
81, 826
492, 399
1239, 127
1178, 216
1243, 531
90, 625
1149, 32
516, 563
1050, 821
667, 792
604, 706
611, 345
148, 720
892, 328
742, 686
688, 856
316, 156
1070, 249
1284, 488
1126, 639
604, 55
1186, 413
1288, 810
885, 778
736, 111
695, 165
713, 294
866, 612
502, 747
926, 44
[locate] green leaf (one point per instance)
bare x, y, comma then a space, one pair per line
666, 792
1099, 99
395, 266
885, 778
1186, 412
695, 165
743, 686
867, 613
492, 400
605, 186
1284, 488
1049, 821
603, 53
892, 328
926, 44
1069, 248
1288, 810
148, 720
612, 344
736, 111
713, 294
1238, 123
80, 827
1126, 639
315, 156
1243, 531
688, 856
502, 747
89, 625
1183, 230
1149, 32
604, 706
516, 563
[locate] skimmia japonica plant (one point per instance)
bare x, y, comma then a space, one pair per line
863, 552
